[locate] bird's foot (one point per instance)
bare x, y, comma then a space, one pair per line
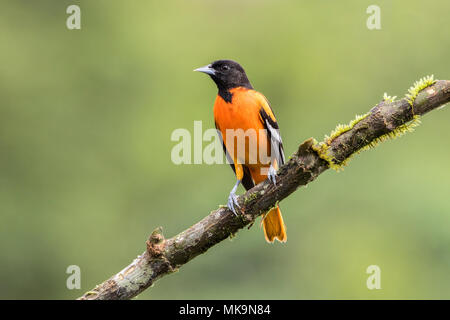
272, 175
232, 202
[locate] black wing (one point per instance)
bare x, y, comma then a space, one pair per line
273, 131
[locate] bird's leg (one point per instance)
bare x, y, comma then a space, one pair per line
272, 173
232, 198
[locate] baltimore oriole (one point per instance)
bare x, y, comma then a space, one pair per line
240, 110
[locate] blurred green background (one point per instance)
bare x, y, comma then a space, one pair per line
85, 123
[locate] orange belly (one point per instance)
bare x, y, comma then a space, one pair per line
243, 131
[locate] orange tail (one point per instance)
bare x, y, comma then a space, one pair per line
273, 226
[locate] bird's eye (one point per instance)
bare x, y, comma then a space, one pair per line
225, 67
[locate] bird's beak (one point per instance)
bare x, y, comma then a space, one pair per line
206, 69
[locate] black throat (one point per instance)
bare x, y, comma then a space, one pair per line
224, 91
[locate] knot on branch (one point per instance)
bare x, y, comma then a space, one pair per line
307, 153
155, 243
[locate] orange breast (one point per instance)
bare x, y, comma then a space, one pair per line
241, 125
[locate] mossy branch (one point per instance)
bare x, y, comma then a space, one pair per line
388, 119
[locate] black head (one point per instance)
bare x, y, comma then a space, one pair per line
227, 74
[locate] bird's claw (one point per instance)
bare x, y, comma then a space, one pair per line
232, 202
272, 175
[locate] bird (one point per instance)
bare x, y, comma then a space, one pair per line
239, 111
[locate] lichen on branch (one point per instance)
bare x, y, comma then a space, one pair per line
323, 148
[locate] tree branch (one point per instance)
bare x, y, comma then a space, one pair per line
163, 256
